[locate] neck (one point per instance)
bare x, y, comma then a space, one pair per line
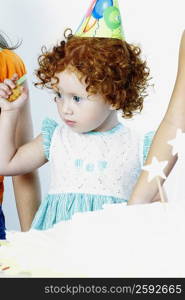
110, 122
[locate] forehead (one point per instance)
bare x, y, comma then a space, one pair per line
70, 83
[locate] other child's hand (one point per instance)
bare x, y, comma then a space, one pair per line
9, 91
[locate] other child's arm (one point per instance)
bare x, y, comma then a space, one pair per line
26, 187
13, 160
145, 192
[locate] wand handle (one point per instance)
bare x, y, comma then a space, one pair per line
161, 193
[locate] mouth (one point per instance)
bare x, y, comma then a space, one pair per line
69, 122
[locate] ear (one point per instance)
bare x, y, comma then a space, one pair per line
112, 107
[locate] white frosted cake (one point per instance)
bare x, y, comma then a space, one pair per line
118, 241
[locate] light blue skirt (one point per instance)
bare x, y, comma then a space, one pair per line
60, 207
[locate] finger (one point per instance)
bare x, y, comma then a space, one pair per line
14, 77
5, 89
10, 83
3, 94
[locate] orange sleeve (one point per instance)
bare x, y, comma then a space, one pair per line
10, 63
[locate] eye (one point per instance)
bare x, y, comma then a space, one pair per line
77, 98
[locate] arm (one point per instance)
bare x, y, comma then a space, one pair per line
14, 160
174, 118
22, 160
26, 187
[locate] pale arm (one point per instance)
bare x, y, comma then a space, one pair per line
145, 192
26, 187
26, 158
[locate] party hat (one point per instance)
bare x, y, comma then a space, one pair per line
103, 19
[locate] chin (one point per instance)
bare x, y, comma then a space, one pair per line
77, 130
82, 130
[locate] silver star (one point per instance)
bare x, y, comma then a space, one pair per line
155, 168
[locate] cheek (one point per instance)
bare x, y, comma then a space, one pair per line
99, 112
92, 115
96, 110
95, 117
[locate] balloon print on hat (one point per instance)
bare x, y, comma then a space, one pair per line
89, 12
100, 7
102, 19
112, 17
90, 20
90, 24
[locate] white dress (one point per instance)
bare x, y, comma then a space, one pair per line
88, 169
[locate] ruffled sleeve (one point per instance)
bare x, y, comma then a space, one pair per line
48, 128
10, 63
145, 146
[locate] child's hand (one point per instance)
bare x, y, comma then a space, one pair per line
9, 92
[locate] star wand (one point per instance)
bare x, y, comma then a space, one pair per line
155, 170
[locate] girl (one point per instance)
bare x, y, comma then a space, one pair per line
26, 187
145, 192
94, 159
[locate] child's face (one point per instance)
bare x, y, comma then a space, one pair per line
81, 112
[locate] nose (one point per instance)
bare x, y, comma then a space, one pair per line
66, 107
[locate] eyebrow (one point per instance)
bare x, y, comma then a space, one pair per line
71, 92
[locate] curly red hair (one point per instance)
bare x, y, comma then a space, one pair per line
110, 67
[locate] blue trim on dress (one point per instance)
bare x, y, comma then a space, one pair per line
48, 128
61, 207
147, 144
